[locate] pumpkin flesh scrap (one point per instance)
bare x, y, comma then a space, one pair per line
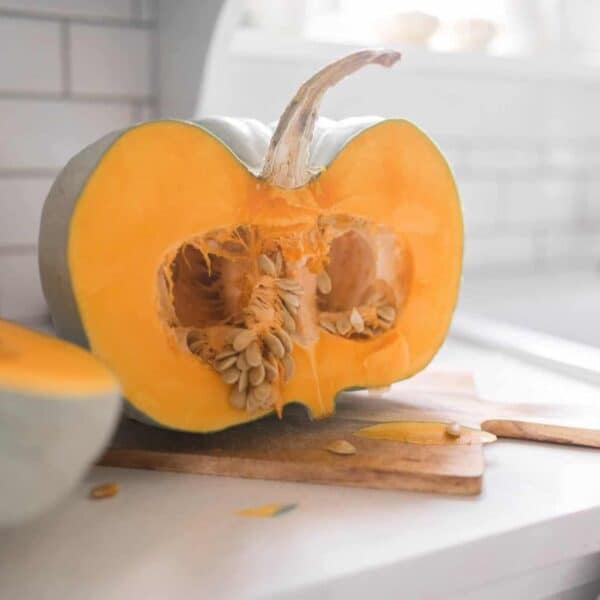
164, 188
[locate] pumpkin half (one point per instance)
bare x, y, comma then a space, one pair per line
223, 270
58, 407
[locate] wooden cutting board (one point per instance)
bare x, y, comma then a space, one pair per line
293, 449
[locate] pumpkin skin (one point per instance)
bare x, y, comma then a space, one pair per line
122, 208
58, 408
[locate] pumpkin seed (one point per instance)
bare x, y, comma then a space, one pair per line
256, 375
324, 282
343, 325
243, 339
288, 367
357, 321
105, 490
262, 391
278, 262
387, 313
242, 363
231, 375
284, 338
271, 370
341, 447
253, 355
225, 354
265, 264
327, 324
237, 399
288, 321
274, 345
289, 285
243, 381
223, 365
290, 299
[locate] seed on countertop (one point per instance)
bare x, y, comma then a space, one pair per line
357, 321
324, 282
105, 490
253, 355
243, 339
266, 265
341, 447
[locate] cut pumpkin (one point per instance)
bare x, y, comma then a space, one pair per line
58, 407
223, 271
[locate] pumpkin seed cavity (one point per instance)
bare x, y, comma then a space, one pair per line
239, 299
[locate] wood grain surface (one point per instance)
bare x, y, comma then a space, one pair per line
293, 449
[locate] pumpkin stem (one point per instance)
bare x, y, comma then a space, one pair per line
286, 163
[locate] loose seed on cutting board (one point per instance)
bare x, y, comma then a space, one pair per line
341, 447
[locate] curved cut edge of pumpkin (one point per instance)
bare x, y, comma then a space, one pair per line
341, 188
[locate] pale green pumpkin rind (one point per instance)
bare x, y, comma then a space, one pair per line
47, 442
54, 242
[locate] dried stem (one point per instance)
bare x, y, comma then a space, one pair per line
286, 163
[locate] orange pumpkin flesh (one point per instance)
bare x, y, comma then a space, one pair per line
162, 190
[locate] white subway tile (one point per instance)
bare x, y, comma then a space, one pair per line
503, 157
21, 294
149, 10
21, 202
539, 202
499, 250
110, 60
30, 56
576, 248
45, 134
479, 201
591, 214
119, 9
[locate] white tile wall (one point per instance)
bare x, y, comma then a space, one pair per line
540, 201
21, 201
21, 294
481, 204
45, 134
118, 9
499, 250
96, 50
30, 52
71, 71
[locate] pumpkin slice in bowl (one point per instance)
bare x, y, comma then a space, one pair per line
58, 408
223, 270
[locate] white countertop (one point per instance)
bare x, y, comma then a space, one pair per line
535, 527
